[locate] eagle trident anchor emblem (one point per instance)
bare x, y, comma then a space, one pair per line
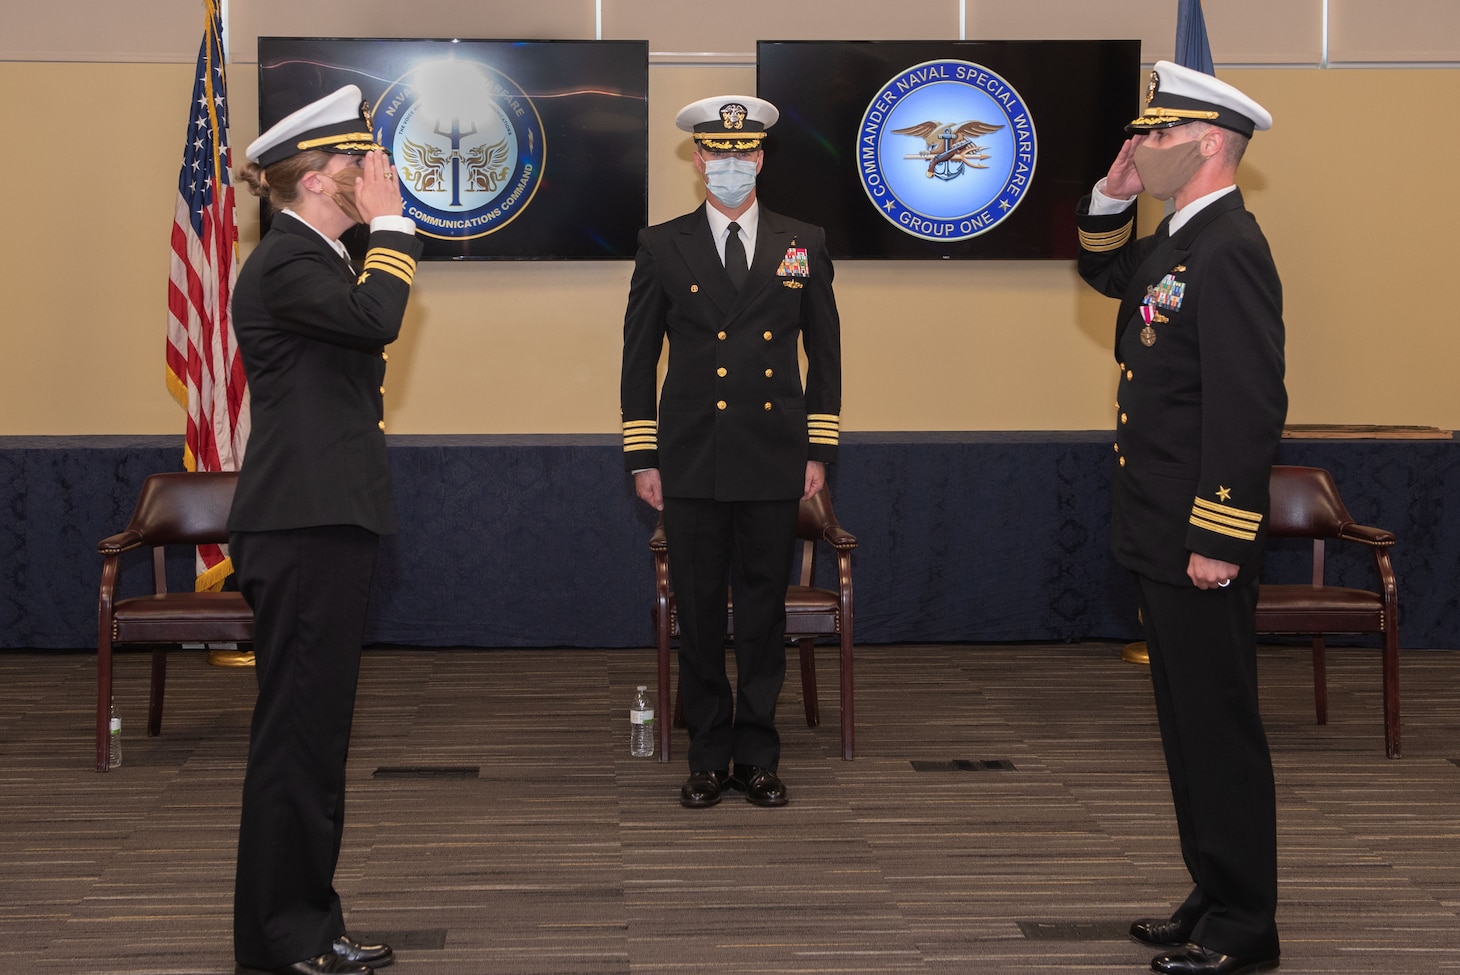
950, 149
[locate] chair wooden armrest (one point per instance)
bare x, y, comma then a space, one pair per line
123, 541
1367, 535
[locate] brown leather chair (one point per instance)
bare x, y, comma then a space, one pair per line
172, 509
810, 613
1306, 504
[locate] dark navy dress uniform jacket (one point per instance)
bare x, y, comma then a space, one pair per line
1201, 407
733, 421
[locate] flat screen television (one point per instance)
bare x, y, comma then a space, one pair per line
507, 150
944, 149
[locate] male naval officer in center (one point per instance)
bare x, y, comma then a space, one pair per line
738, 441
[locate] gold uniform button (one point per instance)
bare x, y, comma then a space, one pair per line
382, 390
694, 289
766, 336
1122, 462
385, 356
722, 372
768, 406
769, 373
1130, 374
381, 424
720, 405
1123, 418
1117, 448
721, 336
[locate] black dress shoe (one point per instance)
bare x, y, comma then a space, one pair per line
1157, 933
326, 964
1195, 960
371, 956
761, 786
702, 789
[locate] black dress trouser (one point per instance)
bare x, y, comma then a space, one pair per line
1203, 650
745, 547
309, 589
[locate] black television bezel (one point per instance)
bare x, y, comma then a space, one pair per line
805, 176
625, 202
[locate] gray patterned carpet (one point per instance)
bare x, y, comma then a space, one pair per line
1007, 812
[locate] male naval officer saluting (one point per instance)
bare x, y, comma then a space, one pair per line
1199, 339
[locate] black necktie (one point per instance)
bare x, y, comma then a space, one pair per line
735, 264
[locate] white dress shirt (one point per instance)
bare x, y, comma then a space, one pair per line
720, 229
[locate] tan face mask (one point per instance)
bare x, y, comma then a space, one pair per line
344, 196
1164, 171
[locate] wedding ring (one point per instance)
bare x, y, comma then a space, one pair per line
390, 175
1225, 583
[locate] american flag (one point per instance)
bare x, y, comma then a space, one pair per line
204, 368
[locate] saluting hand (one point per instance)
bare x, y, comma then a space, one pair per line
1123, 182
377, 190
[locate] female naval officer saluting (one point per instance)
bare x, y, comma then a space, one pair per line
314, 497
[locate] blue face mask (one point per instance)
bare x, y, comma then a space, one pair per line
730, 180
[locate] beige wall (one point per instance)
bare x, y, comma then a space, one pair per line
1349, 186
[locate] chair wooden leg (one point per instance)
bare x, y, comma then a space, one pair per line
103, 699
1320, 680
808, 682
849, 732
666, 731
1391, 694
154, 699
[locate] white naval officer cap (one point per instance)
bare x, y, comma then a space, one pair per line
1176, 95
728, 123
339, 122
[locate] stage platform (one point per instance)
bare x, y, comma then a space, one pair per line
538, 540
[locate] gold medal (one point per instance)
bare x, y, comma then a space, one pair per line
1148, 336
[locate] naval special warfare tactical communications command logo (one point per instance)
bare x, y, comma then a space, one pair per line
468, 143
946, 150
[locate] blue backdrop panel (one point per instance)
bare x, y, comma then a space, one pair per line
522, 541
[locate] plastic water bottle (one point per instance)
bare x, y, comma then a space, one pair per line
641, 725
114, 739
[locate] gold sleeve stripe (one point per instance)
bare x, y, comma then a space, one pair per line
1210, 509
823, 428
1216, 518
386, 254
391, 262
641, 435
1220, 529
1111, 240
